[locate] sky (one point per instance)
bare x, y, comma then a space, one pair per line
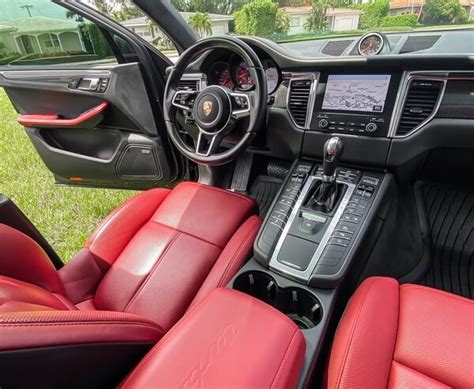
11, 9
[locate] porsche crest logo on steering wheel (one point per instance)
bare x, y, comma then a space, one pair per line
207, 108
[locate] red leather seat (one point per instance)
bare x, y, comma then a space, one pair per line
406, 336
149, 261
229, 340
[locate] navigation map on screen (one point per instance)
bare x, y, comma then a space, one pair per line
364, 93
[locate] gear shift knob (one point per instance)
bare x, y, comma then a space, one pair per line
333, 149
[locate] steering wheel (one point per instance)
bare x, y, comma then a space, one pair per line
216, 110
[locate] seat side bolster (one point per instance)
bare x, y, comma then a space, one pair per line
61, 328
231, 259
23, 259
364, 343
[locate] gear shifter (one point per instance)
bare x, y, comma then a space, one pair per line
326, 194
333, 149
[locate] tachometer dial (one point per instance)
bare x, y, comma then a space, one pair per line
219, 74
242, 76
371, 44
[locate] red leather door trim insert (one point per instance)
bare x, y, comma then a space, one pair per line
52, 120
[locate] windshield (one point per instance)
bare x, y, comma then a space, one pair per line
334, 27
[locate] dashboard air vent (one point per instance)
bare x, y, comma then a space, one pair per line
187, 84
298, 100
420, 103
417, 43
336, 48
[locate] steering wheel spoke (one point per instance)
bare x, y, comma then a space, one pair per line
241, 104
184, 99
207, 144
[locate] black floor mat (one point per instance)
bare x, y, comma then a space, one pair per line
264, 190
450, 215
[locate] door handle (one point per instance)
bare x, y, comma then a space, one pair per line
55, 120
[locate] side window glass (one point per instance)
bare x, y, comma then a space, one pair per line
40, 32
132, 18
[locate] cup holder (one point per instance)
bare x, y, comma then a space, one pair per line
298, 304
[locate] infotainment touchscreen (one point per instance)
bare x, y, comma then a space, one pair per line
361, 93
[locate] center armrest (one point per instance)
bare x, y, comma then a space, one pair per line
229, 339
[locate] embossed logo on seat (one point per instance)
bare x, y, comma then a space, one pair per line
225, 339
207, 107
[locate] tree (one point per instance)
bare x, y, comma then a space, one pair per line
201, 23
373, 13
444, 11
282, 22
256, 18
319, 8
225, 7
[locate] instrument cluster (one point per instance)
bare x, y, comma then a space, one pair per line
235, 74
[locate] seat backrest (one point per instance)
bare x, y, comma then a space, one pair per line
154, 253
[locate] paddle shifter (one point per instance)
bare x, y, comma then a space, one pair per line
327, 192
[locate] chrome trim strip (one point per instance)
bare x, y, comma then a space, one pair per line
402, 95
314, 78
306, 274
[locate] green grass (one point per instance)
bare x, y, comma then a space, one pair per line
65, 216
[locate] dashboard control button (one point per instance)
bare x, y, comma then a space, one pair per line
371, 128
342, 235
353, 211
351, 218
370, 180
323, 123
346, 227
338, 242
309, 226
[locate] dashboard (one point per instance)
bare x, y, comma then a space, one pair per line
389, 109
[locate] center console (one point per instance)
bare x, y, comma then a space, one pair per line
312, 237
313, 243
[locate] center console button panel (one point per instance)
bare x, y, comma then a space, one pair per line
311, 246
280, 213
370, 125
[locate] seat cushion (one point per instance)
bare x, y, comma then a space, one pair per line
228, 340
403, 336
162, 249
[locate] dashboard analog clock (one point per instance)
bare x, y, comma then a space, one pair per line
371, 44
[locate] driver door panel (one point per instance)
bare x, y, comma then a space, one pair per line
103, 138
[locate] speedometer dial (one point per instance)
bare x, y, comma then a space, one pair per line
371, 44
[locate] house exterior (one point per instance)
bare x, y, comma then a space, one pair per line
402, 7
339, 19
142, 27
40, 35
